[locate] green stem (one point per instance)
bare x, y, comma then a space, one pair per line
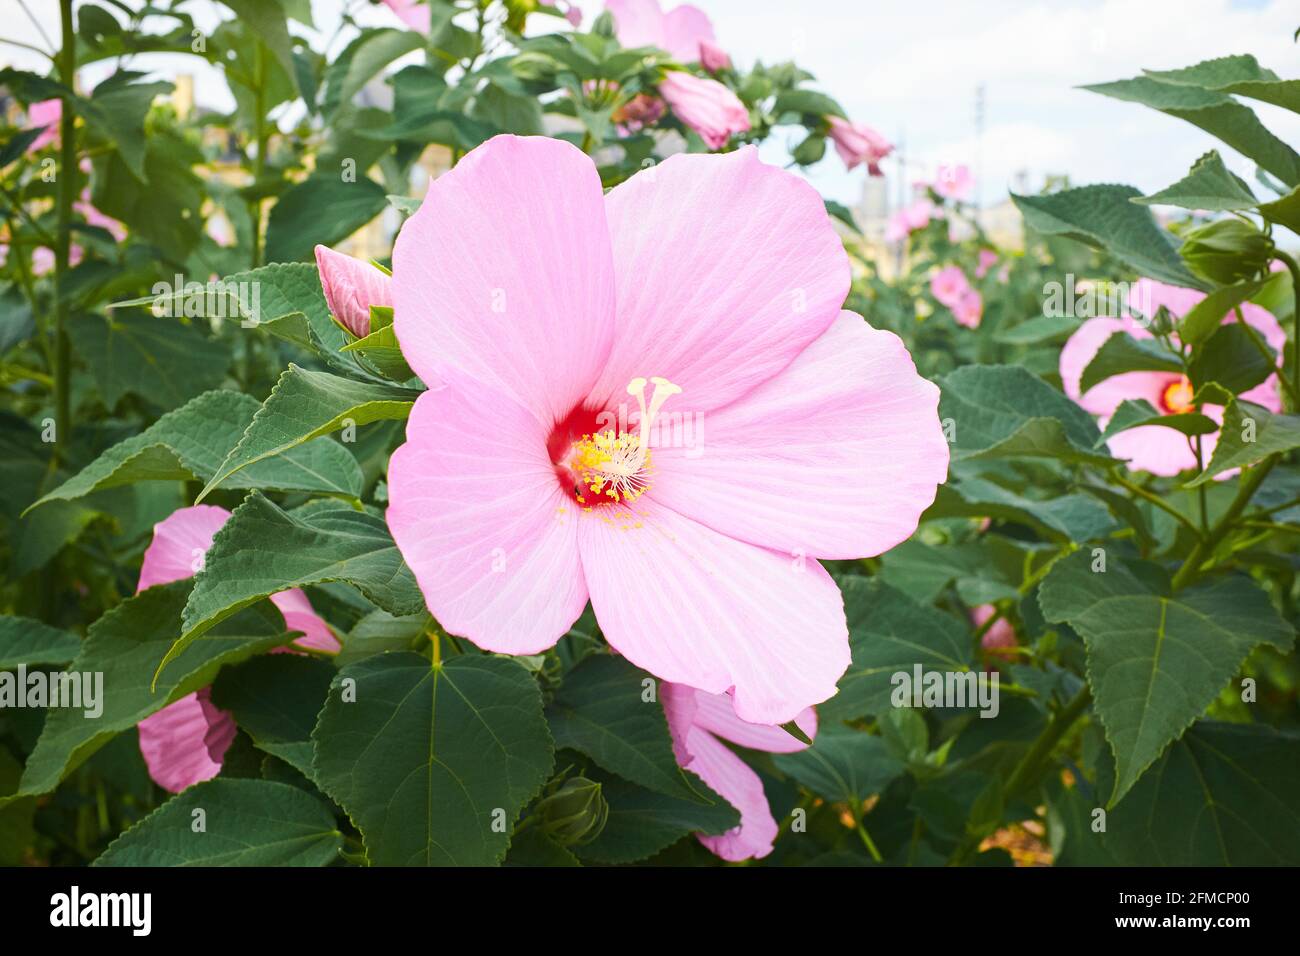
1156, 500
259, 161
1246, 488
1257, 340
1200, 489
67, 186
865, 836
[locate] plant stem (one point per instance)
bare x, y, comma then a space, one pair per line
259, 161
865, 836
1200, 489
1262, 346
1156, 500
67, 184
1249, 483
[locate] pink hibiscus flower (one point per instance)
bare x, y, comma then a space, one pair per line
907, 220
47, 113
94, 217
696, 721
416, 15
953, 182
639, 112
948, 285
705, 106
999, 637
987, 260
351, 288
1153, 448
185, 742
858, 143
685, 32
969, 309
711, 284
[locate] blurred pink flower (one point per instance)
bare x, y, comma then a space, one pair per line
953, 182
45, 113
999, 637
351, 288
858, 143
1154, 448
948, 285
969, 309
571, 11
185, 742
416, 15
638, 113
94, 217
987, 260
909, 219
524, 488
696, 721
682, 32
705, 106
43, 259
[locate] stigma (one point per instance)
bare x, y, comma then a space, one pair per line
613, 465
1178, 396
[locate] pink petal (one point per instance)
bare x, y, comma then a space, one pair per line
835, 457
299, 616
1158, 450
179, 542
685, 29
706, 106
727, 269
505, 273
638, 22
1104, 397
730, 777
46, 113
185, 742
351, 288
696, 607
477, 512
414, 13
716, 713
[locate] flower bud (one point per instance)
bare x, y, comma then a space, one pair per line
1227, 251
575, 814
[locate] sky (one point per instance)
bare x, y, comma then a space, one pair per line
912, 70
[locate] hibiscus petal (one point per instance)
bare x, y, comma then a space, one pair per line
185, 742
835, 457
299, 616
716, 713
696, 607
179, 543
477, 512
505, 273
685, 28
638, 22
1159, 450
726, 267
351, 287
1104, 397
731, 778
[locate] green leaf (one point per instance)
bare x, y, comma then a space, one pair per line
1103, 216
25, 641
1071, 517
275, 699
161, 360
889, 633
126, 646
1042, 328
262, 550
1156, 661
323, 209
265, 19
191, 442
1004, 411
365, 58
1232, 359
246, 823
1208, 185
509, 112
305, 405
1216, 113
1122, 353
1140, 413
1240, 74
382, 350
808, 102
843, 766
1250, 433
1223, 795
600, 710
1203, 319
433, 762
642, 822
